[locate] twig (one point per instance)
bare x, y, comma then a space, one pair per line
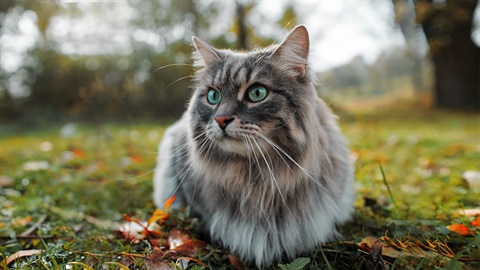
27, 234
39, 222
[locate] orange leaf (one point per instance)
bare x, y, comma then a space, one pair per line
160, 214
22, 222
78, 153
136, 158
460, 229
476, 221
168, 203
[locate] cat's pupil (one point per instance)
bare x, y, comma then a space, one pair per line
213, 96
257, 94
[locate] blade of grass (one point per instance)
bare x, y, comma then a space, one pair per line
386, 184
121, 266
82, 265
326, 259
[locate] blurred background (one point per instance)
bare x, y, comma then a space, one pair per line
63, 60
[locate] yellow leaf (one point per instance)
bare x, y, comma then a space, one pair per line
160, 214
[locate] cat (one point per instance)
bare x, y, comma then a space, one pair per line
257, 155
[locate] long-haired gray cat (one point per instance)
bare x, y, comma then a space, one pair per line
257, 155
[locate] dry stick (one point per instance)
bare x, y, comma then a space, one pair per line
27, 234
40, 221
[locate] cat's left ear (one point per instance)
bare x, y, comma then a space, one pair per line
205, 54
293, 51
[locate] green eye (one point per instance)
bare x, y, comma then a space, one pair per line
257, 93
213, 96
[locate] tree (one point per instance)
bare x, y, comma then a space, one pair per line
448, 26
414, 40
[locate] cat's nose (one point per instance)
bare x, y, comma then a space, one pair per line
224, 120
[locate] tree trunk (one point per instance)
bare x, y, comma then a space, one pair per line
448, 28
242, 28
405, 19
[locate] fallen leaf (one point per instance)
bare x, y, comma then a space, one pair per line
476, 221
460, 229
177, 238
21, 254
190, 248
374, 259
367, 243
156, 260
183, 262
78, 153
236, 263
162, 214
134, 230
22, 222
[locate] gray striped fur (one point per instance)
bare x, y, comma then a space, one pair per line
278, 179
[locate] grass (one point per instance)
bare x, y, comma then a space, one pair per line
70, 192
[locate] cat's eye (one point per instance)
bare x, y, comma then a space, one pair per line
213, 96
257, 93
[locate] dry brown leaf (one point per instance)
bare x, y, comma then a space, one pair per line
190, 248
21, 254
367, 243
156, 260
149, 265
177, 238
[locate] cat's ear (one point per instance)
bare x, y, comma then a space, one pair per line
293, 51
204, 54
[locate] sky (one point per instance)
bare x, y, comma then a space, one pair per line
339, 30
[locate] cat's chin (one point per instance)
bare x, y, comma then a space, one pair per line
232, 145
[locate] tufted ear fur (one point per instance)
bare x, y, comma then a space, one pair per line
205, 54
292, 53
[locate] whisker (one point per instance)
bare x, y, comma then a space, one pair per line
255, 156
170, 65
291, 159
184, 171
272, 174
174, 82
204, 158
249, 157
273, 180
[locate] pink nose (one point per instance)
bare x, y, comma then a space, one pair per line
223, 120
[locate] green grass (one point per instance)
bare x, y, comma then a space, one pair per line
99, 173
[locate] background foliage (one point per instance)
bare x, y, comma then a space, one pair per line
137, 65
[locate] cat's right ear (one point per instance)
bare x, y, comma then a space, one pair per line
205, 54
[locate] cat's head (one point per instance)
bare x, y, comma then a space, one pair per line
251, 101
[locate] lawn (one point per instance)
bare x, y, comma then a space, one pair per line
66, 190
